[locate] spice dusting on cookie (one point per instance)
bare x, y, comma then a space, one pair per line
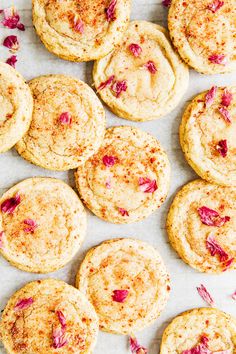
23, 304
222, 147
135, 49
9, 205
120, 295
211, 217
1, 239
205, 295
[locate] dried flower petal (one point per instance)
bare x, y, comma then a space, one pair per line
9, 205
23, 304
65, 118
222, 147
135, 49
166, 3
61, 318
11, 42
32, 226
226, 265
118, 87
1, 241
120, 295
147, 185
234, 296
109, 161
150, 65
218, 59
123, 212
215, 5
106, 83
58, 337
225, 113
21, 27
110, 11
227, 98
78, 25
12, 61
210, 96
202, 291
216, 249
211, 217
135, 347
11, 19
204, 340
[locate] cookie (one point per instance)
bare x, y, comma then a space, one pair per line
200, 225
201, 330
68, 123
47, 316
16, 104
79, 30
127, 179
42, 224
143, 79
203, 32
127, 283
207, 135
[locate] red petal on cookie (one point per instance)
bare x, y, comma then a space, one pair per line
202, 291
215, 5
227, 264
218, 59
12, 43
9, 205
61, 318
135, 49
118, 87
58, 337
225, 113
120, 295
79, 26
146, 185
211, 217
150, 65
12, 61
32, 226
110, 11
23, 304
222, 147
123, 212
216, 249
166, 3
204, 340
109, 161
106, 83
210, 96
135, 347
227, 98
65, 118
234, 296
1, 237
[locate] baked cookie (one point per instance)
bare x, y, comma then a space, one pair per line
68, 123
200, 225
127, 179
48, 316
203, 32
144, 78
201, 330
16, 104
207, 135
127, 282
42, 224
79, 30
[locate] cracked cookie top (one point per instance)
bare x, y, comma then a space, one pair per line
42, 224
68, 123
49, 316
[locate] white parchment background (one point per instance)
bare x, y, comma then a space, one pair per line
35, 60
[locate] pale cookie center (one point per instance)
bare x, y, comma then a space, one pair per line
7, 110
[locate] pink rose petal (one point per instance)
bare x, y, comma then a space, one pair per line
234, 296
106, 83
210, 96
1, 237
12, 61
135, 347
201, 348
211, 217
215, 249
23, 304
123, 212
109, 161
151, 67
11, 19
135, 49
222, 147
78, 26
215, 5
12, 43
219, 59
227, 98
166, 3
226, 265
58, 337
65, 118
120, 295
118, 87
32, 226
147, 185
61, 318
9, 205
225, 114
110, 11
202, 291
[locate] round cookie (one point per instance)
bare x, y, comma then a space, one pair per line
203, 32
200, 225
16, 104
79, 30
127, 282
42, 224
207, 135
47, 316
68, 123
205, 330
143, 79
127, 179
